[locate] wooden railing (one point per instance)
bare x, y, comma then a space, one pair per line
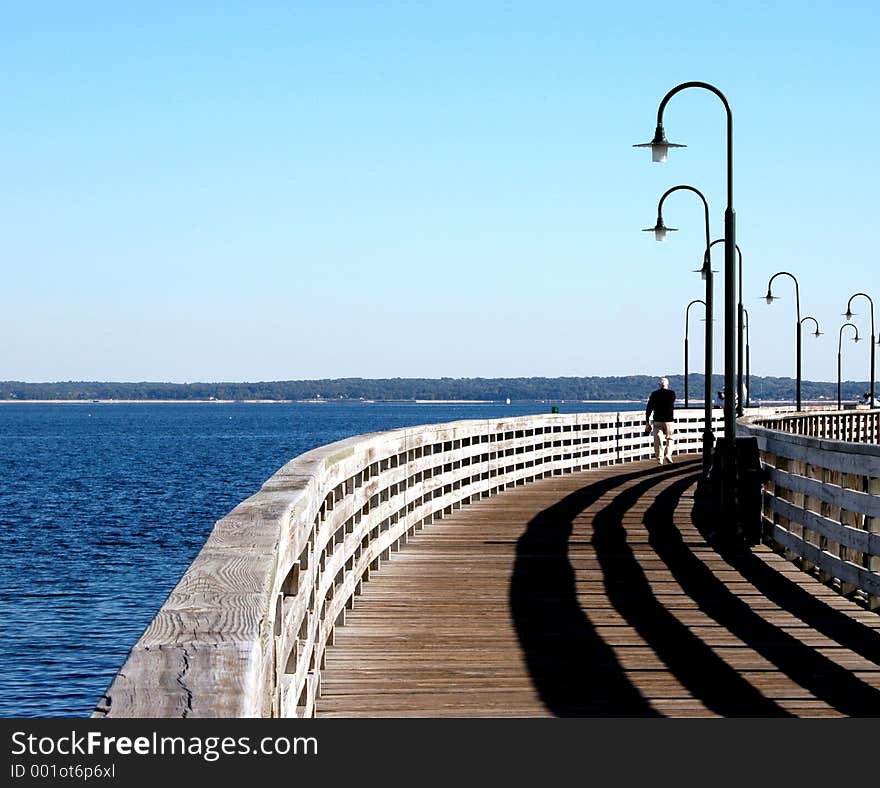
852, 426
244, 632
822, 497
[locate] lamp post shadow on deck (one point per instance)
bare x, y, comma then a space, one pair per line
734, 484
687, 313
839, 349
660, 230
849, 314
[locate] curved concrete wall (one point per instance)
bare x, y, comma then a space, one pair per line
243, 634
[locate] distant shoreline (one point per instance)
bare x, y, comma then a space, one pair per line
592, 391
136, 401
314, 401
695, 403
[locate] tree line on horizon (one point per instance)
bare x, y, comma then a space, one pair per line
624, 387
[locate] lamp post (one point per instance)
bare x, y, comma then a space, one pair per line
817, 333
660, 230
849, 316
739, 328
770, 299
748, 373
839, 340
687, 313
659, 150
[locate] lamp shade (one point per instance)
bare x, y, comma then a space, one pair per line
660, 230
659, 145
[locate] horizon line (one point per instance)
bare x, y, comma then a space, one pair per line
264, 381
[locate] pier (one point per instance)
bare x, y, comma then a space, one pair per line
535, 566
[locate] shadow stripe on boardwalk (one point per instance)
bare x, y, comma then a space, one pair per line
521, 605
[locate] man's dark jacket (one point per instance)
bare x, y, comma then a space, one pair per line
660, 403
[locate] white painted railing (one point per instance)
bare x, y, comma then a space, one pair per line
243, 634
822, 498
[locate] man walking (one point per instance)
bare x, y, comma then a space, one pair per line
661, 403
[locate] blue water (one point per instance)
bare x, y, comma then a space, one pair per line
103, 506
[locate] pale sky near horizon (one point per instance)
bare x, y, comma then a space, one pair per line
287, 190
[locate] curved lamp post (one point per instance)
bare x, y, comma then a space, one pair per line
659, 150
660, 230
849, 316
748, 374
739, 328
687, 313
818, 332
839, 340
770, 299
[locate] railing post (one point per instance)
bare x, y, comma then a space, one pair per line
872, 525
809, 503
849, 482
832, 512
617, 439
769, 460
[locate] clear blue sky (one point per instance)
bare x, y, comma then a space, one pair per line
260, 191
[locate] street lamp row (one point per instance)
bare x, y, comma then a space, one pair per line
660, 146
849, 314
732, 497
817, 333
722, 489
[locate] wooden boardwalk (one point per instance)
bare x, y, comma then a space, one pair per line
594, 594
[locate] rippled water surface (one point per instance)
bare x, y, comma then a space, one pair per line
103, 506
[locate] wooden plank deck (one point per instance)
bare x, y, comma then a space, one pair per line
594, 594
